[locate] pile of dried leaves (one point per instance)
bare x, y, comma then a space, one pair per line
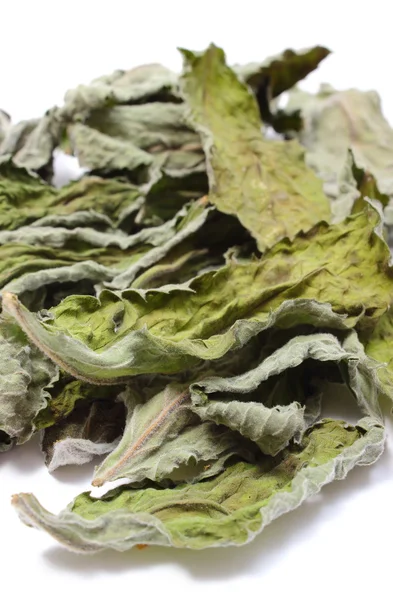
187, 307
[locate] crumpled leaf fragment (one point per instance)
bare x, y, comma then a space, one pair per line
68, 394
5, 121
186, 223
31, 143
345, 265
42, 280
335, 121
265, 183
230, 508
135, 139
276, 75
149, 125
24, 267
161, 435
178, 266
281, 72
167, 193
36, 154
25, 199
151, 423
379, 345
26, 376
147, 83
163, 440
225, 400
271, 428
16, 136
103, 154
367, 186
89, 431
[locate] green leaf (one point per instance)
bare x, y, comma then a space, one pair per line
115, 336
379, 345
162, 433
34, 256
25, 199
167, 193
279, 73
230, 508
265, 183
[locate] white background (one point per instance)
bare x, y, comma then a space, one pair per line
340, 542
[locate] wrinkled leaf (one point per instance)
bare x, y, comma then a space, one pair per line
379, 345
335, 121
5, 121
150, 424
118, 335
281, 72
25, 199
31, 146
68, 394
87, 432
26, 376
163, 435
15, 136
276, 75
148, 83
110, 256
265, 183
230, 508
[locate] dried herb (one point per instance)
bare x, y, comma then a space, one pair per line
185, 307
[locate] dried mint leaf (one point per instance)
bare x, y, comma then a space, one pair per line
265, 183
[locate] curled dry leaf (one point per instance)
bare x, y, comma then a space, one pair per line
188, 305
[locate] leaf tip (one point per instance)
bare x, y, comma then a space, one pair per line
98, 482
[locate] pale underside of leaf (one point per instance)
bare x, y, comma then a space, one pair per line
334, 121
161, 433
229, 509
26, 376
